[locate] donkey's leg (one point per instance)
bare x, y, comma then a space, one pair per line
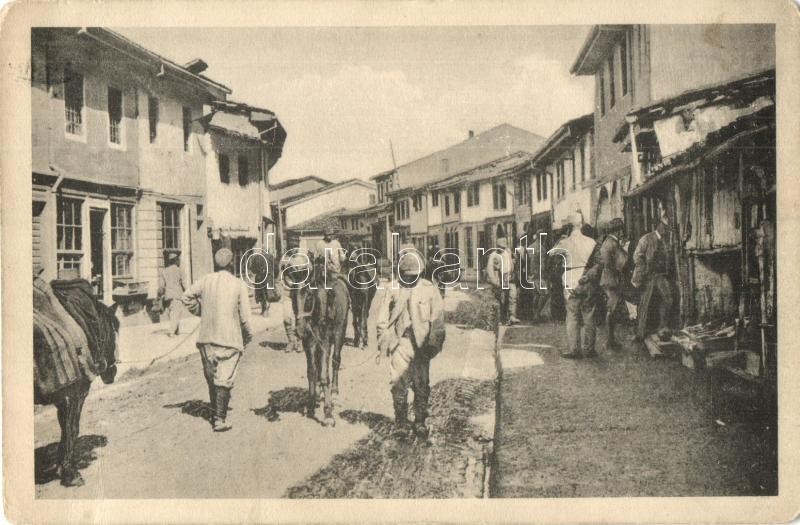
325, 366
355, 299
311, 374
70, 477
336, 358
61, 411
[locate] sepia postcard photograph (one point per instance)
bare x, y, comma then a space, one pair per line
445, 262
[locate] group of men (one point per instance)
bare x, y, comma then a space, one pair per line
594, 274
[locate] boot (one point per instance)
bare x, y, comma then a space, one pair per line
221, 409
212, 397
420, 416
400, 417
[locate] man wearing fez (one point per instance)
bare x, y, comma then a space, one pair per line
410, 331
220, 299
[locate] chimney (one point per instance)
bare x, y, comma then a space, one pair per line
196, 66
471, 133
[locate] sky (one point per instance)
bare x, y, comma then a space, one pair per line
343, 94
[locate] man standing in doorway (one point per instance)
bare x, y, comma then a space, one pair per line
170, 289
651, 260
221, 301
580, 295
500, 274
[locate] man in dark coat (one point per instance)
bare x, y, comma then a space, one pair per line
610, 263
651, 260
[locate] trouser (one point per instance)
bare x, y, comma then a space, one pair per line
172, 311
410, 368
219, 364
657, 288
506, 300
614, 299
581, 325
219, 367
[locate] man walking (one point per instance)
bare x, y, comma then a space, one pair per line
651, 259
220, 299
170, 289
500, 274
580, 295
410, 330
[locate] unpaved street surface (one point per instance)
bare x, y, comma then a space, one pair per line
150, 437
622, 424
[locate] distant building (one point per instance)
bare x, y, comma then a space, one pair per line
416, 208
353, 194
564, 173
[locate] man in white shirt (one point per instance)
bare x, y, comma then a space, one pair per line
577, 250
221, 301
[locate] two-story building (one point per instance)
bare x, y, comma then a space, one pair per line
118, 174
420, 214
479, 205
565, 161
242, 143
634, 65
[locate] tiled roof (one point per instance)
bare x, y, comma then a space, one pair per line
490, 170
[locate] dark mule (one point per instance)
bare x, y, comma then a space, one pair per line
69, 398
362, 280
322, 330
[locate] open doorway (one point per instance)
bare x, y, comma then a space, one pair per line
96, 221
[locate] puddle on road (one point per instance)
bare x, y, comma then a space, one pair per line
513, 358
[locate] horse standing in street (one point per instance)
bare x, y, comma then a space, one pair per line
69, 351
322, 332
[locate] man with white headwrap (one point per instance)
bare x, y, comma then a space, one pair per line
577, 250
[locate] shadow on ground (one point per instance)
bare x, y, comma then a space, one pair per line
274, 345
195, 408
449, 464
289, 399
45, 459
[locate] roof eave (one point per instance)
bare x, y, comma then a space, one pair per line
593, 44
114, 39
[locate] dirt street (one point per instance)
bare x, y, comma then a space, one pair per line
622, 424
149, 436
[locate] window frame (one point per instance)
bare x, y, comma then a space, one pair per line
224, 175
602, 89
624, 50
499, 198
127, 230
74, 253
120, 127
612, 93
447, 205
186, 118
435, 199
174, 227
456, 202
243, 161
81, 135
153, 115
